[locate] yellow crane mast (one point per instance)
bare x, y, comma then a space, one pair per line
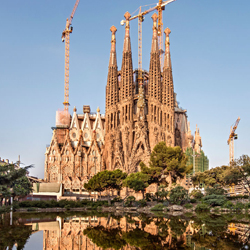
233, 136
159, 7
65, 38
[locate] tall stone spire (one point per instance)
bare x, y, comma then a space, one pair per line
154, 88
112, 60
189, 137
197, 141
127, 67
168, 86
112, 94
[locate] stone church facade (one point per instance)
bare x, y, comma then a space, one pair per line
141, 110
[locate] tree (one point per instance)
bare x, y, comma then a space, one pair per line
210, 177
178, 194
13, 181
166, 161
137, 181
22, 187
106, 180
239, 173
162, 192
236, 174
196, 194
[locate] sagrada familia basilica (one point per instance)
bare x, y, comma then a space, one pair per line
140, 112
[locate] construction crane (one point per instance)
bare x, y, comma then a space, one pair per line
65, 38
159, 7
233, 136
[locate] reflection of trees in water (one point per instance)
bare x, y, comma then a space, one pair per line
214, 234
114, 238
137, 237
105, 237
16, 234
178, 226
210, 233
142, 239
137, 232
214, 223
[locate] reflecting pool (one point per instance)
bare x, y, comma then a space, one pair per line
96, 231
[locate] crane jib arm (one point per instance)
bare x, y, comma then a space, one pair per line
232, 134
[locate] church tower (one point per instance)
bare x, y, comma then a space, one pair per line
126, 94
168, 99
155, 90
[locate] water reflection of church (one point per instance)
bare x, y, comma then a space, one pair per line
138, 232
68, 233
140, 112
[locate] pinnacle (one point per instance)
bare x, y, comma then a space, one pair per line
167, 31
113, 29
127, 16
154, 17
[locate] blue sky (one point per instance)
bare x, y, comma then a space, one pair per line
210, 57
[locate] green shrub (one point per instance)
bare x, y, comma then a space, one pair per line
216, 209
62, 203
117, 199
197, 194
25, 204
217, 190
129, 201
142, 203
178, 195
158, 207
238, 197
239, 205
247, 205
193, 200
67, 207
98, 204
188, 206
214, 200
202, 207
228, 204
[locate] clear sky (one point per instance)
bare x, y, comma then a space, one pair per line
210, 53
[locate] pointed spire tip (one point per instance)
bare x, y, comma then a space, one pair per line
167, 31
113, 29
154, 17
127, 16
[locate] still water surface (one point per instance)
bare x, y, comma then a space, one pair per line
96, 231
